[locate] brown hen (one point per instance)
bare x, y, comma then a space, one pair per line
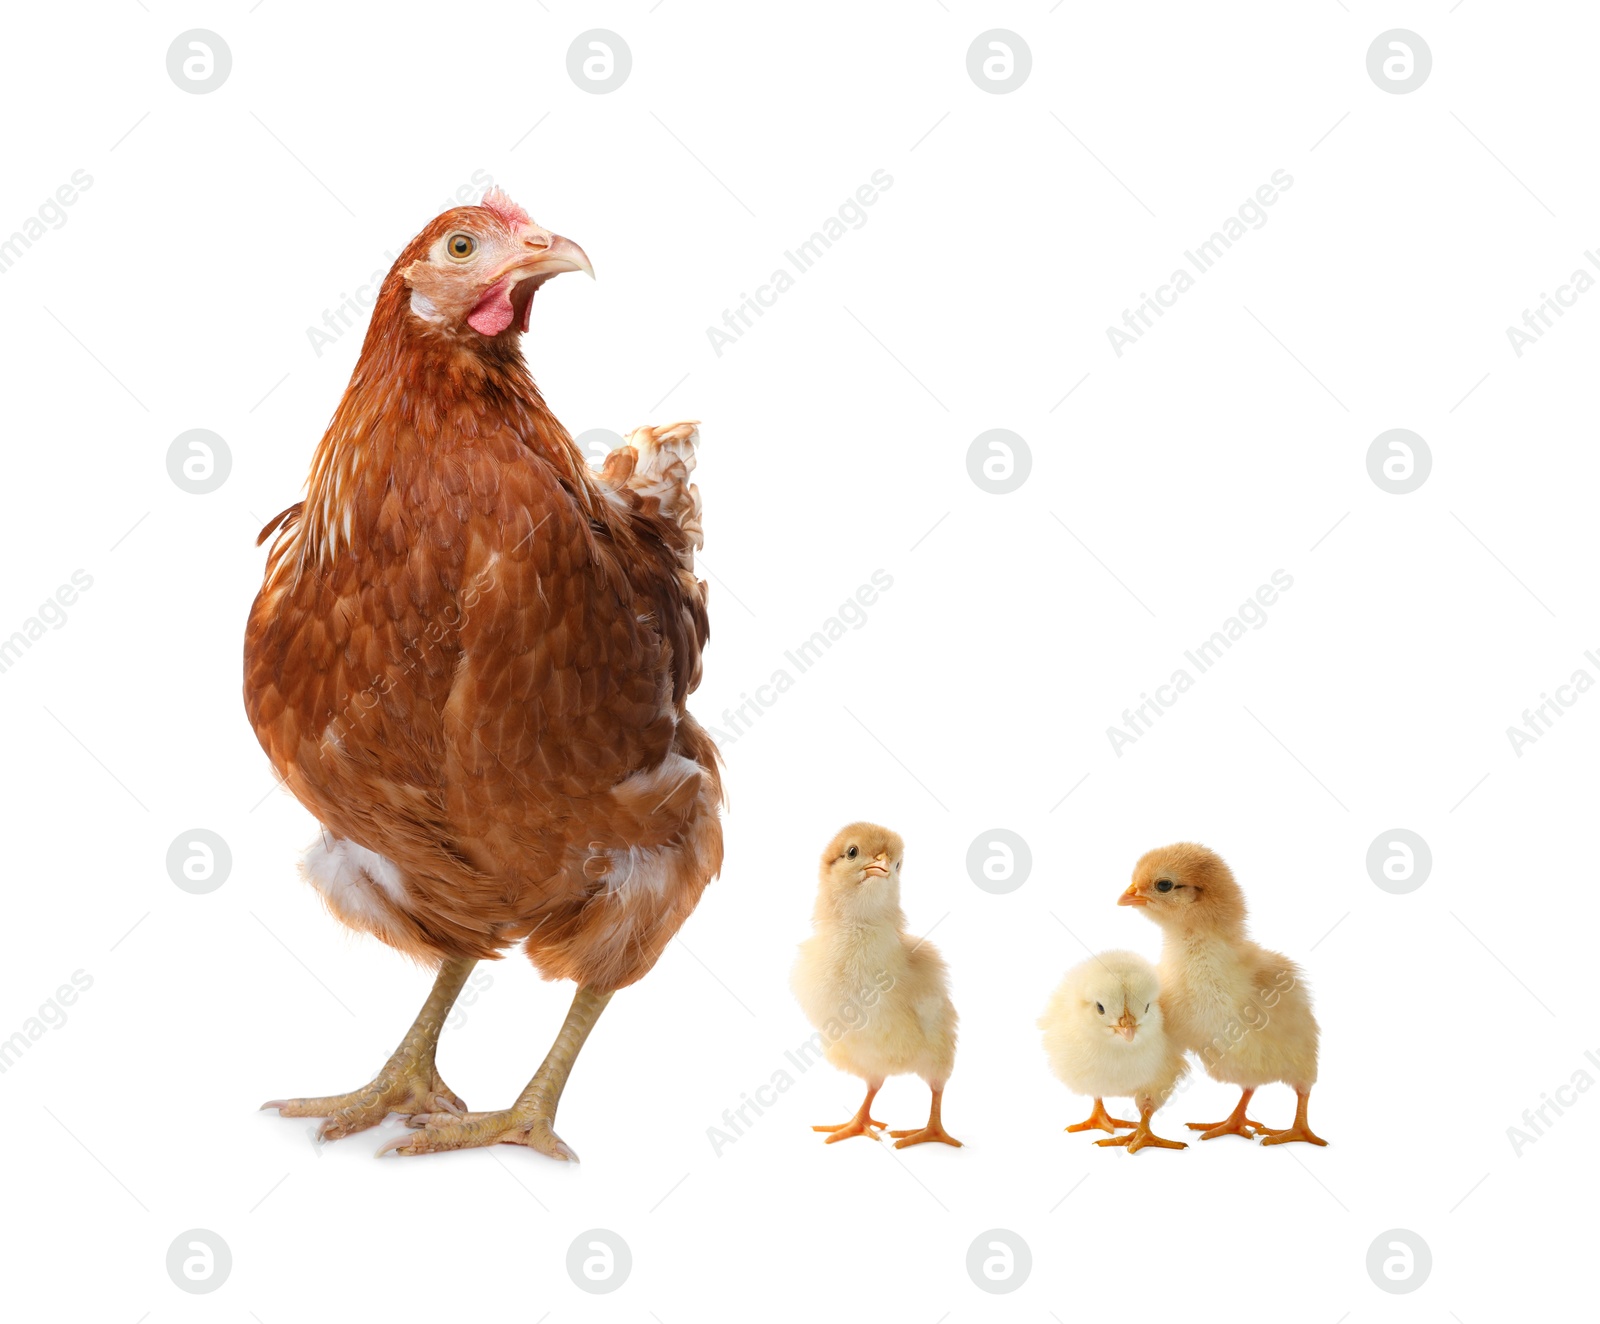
470, 659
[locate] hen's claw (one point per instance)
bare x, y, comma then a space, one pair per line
407, 1093
438, 1132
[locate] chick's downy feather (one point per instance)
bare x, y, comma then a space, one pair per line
878, 996
1243, 1010
1104, 1033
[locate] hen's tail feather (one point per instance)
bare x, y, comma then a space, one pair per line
653, 468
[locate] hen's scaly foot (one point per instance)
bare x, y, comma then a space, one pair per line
436, 1132
407, 1091
1099, 1120
922, 1137
1141, 1138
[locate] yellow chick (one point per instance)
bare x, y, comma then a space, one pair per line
1244, 1010
878, 996
1104, 1035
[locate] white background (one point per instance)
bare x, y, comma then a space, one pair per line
1223, 446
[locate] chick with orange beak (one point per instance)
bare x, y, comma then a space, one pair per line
1105, 1037
1244, 1010
878, 996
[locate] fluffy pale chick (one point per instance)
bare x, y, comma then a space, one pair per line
1244, 1010
1104, 1036
879, 996
470, 659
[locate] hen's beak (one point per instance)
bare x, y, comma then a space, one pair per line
545, 254
1132, 897
1126, 1026
511, 291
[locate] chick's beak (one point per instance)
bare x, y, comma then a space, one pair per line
879, 868
1132, 897
1126, 1026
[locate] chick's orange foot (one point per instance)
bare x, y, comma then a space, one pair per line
924, 1136
856, 1126
1100, 1120
1142, 1137
933, 1131
1234, 1124
1301, 1130
862, 1124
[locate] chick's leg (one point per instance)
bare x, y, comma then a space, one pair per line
409, 1082
1301, 1130
1234, 1124
531, 1119
1142, 1136
934, 1130
1099, 1120
862, 1123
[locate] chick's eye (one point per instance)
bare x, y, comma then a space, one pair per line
461, 246
852, 853
1147, 1006
1100, 1007
1165, 885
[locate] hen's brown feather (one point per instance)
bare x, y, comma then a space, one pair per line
470, 656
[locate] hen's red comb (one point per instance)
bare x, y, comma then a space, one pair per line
502, 206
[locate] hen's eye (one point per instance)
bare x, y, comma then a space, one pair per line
1100, 1007
461, 246
1165, 885
852, 853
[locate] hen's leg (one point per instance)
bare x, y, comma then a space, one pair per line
1142, 1136
1234, 1124
934, 1130
862, 1123
531, 1119
1099, 1120
409, 1082
1301, 1130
